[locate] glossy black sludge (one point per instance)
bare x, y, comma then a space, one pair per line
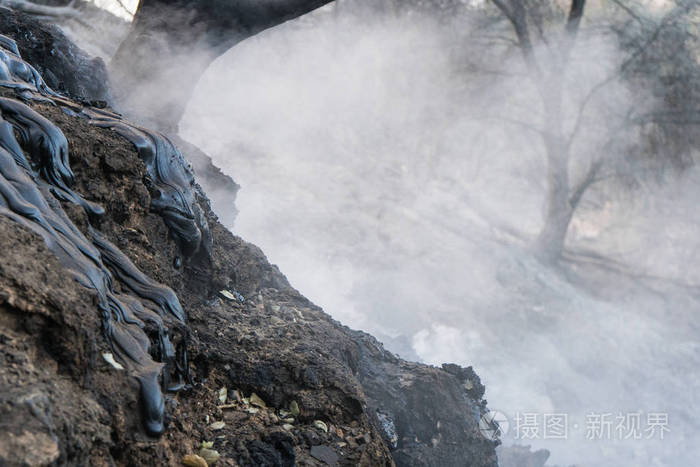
171, 182
35, 175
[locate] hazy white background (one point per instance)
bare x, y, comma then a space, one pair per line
373, 176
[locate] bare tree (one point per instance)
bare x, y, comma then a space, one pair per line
647, 50
562, 195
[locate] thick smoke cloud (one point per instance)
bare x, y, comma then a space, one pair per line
399, 192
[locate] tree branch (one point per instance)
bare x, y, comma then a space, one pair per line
629, 11
583, 185
223, 23
573, 22
621, 69
172, 42
123, 7
516, 14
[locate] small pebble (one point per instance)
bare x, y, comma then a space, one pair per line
217, 425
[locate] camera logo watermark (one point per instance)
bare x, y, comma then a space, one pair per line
493, 425
595, 426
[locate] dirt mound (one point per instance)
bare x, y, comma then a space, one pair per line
273, 380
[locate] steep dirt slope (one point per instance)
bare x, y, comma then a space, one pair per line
324, 394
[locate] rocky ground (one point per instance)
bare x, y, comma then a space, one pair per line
275, 380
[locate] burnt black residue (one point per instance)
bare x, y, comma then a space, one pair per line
141, 322
63, 66
170, 181
18, 74
48, 147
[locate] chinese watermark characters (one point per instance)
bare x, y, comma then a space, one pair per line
595, 426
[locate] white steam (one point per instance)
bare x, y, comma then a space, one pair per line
399, 194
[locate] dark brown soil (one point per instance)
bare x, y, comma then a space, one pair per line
62, 403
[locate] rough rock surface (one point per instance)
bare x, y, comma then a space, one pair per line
216, 184
64, 67
324, 394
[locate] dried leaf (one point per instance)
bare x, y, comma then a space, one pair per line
257, 401
209, 455
294, 409
227, 294
193, 460
321, 426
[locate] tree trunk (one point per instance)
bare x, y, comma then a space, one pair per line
172, 42
561, 203
551, 239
